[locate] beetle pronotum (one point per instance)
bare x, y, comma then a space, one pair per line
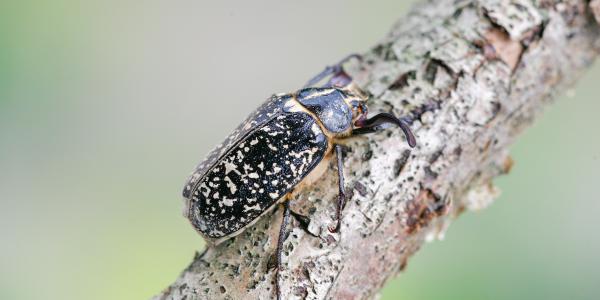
281, 145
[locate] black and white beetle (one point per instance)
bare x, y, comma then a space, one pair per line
283, 145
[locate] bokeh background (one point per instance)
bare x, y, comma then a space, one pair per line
106, 106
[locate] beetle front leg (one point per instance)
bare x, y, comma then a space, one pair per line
339, 78
342, 193
282, 234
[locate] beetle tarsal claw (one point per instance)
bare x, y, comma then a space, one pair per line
334, 228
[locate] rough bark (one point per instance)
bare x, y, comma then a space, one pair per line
488, 67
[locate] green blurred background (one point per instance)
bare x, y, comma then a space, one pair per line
106, 106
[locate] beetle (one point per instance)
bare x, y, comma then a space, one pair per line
282, 146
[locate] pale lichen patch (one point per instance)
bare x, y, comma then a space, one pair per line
517, 17
481, 197
595, 7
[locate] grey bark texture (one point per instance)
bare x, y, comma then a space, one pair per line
488, 67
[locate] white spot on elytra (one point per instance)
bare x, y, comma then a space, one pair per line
254, 207
230, 185
315, 129
228, 202
229, 167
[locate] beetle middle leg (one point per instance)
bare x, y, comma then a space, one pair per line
283, 231
339, 152
282, 234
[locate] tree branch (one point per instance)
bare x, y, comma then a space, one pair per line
488, 67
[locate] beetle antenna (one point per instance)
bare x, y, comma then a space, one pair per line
372, 124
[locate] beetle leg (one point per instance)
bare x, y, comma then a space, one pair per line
375, 123
328, 71
339, 78
342, 193
282, 234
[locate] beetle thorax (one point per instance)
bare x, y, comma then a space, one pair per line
331, 107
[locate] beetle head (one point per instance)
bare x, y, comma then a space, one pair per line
357, 100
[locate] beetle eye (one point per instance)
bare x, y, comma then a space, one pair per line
359, 107
359, 110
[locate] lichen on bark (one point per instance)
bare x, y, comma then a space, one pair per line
595, 7
488, 67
